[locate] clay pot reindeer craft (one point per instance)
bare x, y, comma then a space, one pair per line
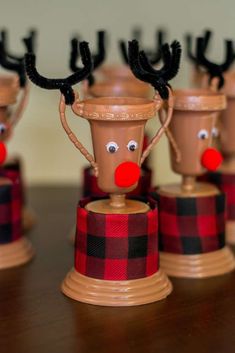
15, 248
192, 214
224, 177
16, 64
110, 88
116, 251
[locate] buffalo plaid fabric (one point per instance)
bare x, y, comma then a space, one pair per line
10, 209
191, 225
114, 246
226, 183
90, 187
15, 166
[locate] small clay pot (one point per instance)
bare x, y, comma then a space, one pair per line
119, 121
195, 112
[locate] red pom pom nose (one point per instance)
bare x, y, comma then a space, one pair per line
127, 174
211, 159
3, 153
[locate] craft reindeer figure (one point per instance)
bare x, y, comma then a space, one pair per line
15, 249
123, 268
224, 177
192, 214
10, 119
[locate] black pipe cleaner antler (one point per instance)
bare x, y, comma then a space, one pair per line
213, 69
64, 85
153, 55
143, 70
12, 62
97, 58
189, 44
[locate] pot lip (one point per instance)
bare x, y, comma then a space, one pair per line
198, 99
117, 108
120, 89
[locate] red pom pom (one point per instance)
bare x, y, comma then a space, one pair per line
211, 159
3, 152
127, 174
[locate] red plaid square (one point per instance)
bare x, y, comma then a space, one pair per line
116, 269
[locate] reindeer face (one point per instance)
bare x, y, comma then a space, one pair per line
194, 133
118, 148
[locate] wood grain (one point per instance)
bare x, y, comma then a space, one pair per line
199, 316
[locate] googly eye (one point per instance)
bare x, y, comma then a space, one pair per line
215, 132
203, 134
132, 145
112, 147
2, 128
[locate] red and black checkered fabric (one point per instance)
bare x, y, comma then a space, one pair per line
116, 247
10, 208
90, 187
191, 225
15, 166
226, 183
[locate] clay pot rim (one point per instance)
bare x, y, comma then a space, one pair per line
119, 101
121, 89
199, 99
117, 108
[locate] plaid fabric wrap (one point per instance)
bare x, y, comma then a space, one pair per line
191, 225
15, 166
10, 209
116, 247
226, 183
90, 187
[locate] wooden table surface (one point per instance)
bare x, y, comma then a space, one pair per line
199, 316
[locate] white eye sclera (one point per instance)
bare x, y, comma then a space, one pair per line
215, 132
112, 147
132, 145
2, 128
203, 134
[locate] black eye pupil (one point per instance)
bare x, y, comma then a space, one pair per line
132, 148
112, 149
2, 129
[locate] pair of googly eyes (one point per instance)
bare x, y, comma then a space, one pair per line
2, 128
112, 146
204, 134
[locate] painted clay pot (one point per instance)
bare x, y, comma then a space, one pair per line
192, 214
117, 128
15, 249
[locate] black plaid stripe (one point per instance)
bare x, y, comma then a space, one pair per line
191, 225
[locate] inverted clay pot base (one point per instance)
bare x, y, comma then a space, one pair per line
116, 293
16, 253
204, 265
28, 219
230, 232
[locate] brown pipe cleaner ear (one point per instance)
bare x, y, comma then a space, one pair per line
142, 69
64, 85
